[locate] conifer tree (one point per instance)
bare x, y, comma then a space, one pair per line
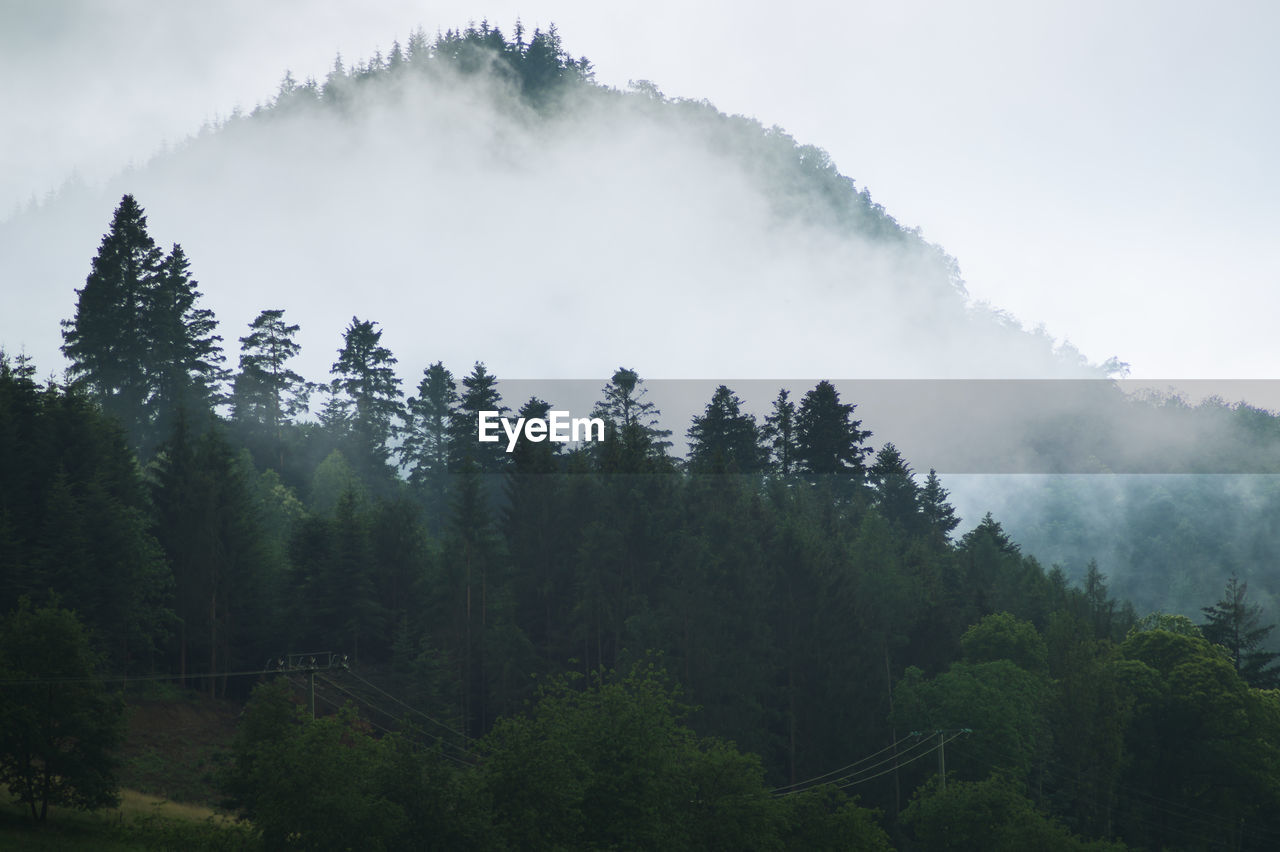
208, 527
186, 356
267, 392
1234, 624
633, 442
723, 439
828, 439
779, 434
107, 341
425, 451
479, 393
894, 491
534, 457
138, 343
369, 389
939, 515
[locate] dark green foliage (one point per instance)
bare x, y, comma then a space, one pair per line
894, 492
1186, 692
138, 344
779, 434
366, 394
479, 393
611, 766
426, 449
825, 819
724, 439
75, 518
320, 785
939, 516
828, 440
634, 443
106, 341
185, 354
334, 598
58, 723
1233, 624
222, 563
988, 815
267, 393
1003, 637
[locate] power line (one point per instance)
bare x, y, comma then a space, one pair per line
941, 743
816, 778
409, 707
40, 681
335, 705
384, 712
850, 779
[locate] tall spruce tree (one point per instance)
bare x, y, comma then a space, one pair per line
634, 443
723, 439
1234, 624
107, 341
209, 529
779, 434
894, 493
939, 515
138, 343
185, 372
425, 451
828, 439
479, 393
267, 392
369, 388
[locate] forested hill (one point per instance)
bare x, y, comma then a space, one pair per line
766, 641
485, 176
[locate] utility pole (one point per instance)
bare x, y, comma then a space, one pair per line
942, 762
309, 663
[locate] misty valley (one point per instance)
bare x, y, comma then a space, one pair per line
271, 580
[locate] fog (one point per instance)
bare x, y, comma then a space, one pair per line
618, 229
622, 230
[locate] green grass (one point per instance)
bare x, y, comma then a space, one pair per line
141, 822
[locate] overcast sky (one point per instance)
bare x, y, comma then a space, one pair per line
1106, 169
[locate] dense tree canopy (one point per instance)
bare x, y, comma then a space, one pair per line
505, 612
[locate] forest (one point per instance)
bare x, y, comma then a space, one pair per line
773, 640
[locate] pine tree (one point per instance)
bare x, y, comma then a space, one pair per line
267, 394
633, 441
1233, 624
939, 515
138, 343
185, 354
828, 439
107, 341
479, 393
208, 527
425, 451
534, 457
369, 389
723, 439
779, 434
266, 391
894, 491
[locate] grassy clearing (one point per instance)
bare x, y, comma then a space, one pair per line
176, 743
142, 822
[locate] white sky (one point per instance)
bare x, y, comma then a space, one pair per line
1107, 169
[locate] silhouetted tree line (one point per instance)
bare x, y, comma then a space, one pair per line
805, 591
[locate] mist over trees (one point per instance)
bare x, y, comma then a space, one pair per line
767, 642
